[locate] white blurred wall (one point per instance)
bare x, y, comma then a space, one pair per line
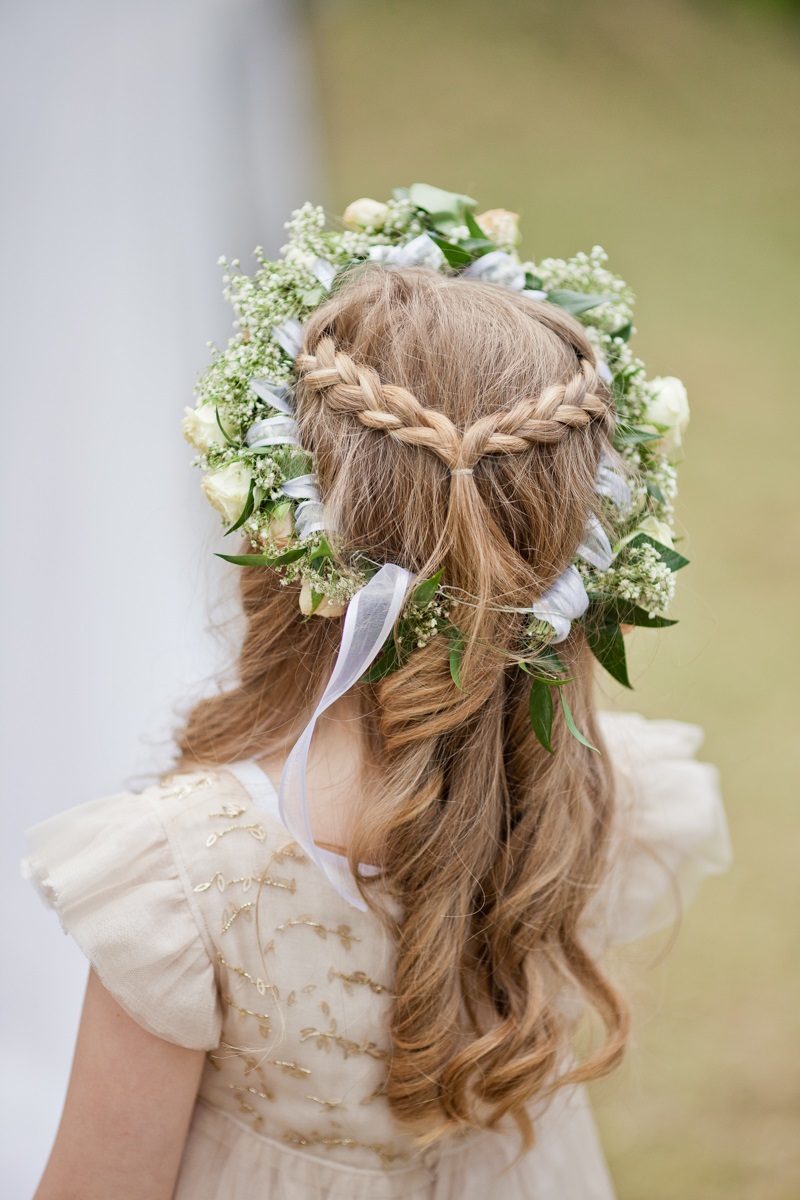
140, 139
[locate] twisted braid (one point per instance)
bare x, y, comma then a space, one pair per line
356, 389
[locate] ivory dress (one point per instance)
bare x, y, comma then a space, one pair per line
214, 931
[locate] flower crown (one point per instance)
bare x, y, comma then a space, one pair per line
262, 481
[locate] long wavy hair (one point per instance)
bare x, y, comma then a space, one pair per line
455, 425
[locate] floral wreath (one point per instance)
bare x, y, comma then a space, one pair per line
262, 480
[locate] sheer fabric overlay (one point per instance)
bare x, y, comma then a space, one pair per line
215, 930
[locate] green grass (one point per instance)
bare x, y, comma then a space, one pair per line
668, 133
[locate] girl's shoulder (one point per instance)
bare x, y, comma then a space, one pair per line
127, 875
671, 830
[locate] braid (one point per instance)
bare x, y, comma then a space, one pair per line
357, 389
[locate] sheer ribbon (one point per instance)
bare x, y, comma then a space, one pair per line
371, 614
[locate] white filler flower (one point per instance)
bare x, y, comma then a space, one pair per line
227, 489
668, 406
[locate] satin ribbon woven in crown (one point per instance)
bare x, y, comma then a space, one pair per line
370, 617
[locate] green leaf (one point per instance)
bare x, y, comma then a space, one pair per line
457, 644
424, 592
323, 550
540, 711
572, 727
576, 303
246, 511
612, 611
456, 257
222, 429
670, 558
389, 661
655, 491
629, 435
438, 203
316, 600
474, 228
264, 560
624, 332
608, 646
288, 556
533, 282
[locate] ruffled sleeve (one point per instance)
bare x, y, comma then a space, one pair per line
672, 829
109, 870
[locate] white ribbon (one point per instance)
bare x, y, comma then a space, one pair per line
309, 517
608, 482
595, 547
302, 487
370, 616
273, 431
275, 394
562, 603
324, 272
498, 267
289, 335
421, 251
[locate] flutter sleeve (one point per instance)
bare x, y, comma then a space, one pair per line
109, 870
672, 830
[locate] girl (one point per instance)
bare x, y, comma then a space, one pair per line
368, 986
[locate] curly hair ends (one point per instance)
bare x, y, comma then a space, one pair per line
455, 425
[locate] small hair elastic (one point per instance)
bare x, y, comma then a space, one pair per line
463, 471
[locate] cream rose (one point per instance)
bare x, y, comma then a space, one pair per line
500, 226
281, 527
658, 530
668, 406
227, 489
365, 214
325, 608
200, 428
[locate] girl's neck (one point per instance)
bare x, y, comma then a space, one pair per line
334, 775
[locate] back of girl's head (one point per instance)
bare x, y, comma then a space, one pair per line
455, 426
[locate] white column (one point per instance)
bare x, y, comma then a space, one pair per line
141, 138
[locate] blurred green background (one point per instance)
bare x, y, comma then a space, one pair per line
668, 133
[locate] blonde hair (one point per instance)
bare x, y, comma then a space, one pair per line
454, 424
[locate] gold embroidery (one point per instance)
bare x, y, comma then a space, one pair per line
326, 1104
292, 1069
229, 918
230, 810
310, 987
343, 932
290, 999
326, 1038
264, 1019
290, 850
384, 1153
253, 1091
246, 881
185, 789
259, 984
256, 831
326, 1008
269, 947
357, 977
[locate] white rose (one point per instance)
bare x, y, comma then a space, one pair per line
325, 608
656, 529
365, 214
280, 529
668, 406
227, 490
200, 428
500, 226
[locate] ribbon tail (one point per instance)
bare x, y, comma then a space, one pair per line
370, 616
